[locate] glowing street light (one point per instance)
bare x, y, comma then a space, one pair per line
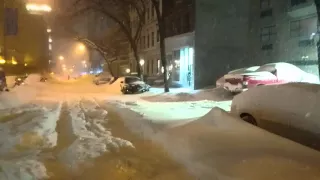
2, 61
38, 7
61, 58
49, 30
84, 62
82, 47
25, 64
128, 70
50, 40
141, 62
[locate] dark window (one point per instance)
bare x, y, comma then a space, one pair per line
152, 12
267, 47
303, 27
141, 42
295, 28
306, 43
148, 41
268, 33
158, 36
266, 13
152, 39
297, 2
148, 15
144, 42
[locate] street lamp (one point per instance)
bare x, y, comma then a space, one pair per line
141, 62
82, 47
49, 30
38, 7
128, 71
61, 58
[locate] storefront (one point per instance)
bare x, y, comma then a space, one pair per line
181, 67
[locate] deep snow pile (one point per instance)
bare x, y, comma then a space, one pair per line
219, 146
217, 94
21, 94
170, 111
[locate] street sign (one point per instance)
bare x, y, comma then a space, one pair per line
11, 21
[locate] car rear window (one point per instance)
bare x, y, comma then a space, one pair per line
131, 79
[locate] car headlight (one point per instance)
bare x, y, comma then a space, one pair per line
245, 83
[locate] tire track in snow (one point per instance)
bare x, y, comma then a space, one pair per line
81, 139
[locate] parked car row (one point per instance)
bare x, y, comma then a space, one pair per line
269, 74
128, 84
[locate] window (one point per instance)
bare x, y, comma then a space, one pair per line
144, 42
303, 27
306, 43
141, 42
148, 43
158, 36
148, 14
152, 12
265, 4
267, 47
152, 39
266, 13
268, 33
297, 2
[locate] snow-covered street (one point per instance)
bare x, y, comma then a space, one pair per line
77, 130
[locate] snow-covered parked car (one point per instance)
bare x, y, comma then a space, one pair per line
268, 74
290, 110
132, 84
220, 82
102, 78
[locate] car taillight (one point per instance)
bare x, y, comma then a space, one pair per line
246, 79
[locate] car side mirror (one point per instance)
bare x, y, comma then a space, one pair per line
121, 82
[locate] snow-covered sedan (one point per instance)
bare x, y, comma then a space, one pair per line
290, 110
268, 74
132, 85
220, 82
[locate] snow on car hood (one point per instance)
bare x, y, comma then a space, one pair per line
260, 73
138, 83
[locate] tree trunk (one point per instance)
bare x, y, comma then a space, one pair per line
136, 57
163, 54
109, 67
161, 25
317, 2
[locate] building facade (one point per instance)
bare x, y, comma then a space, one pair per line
148, 46
285, 31
20, 56
205, 39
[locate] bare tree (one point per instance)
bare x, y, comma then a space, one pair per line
161, 26
112, 47
317, 3
119, 11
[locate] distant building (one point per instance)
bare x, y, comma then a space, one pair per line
28, 47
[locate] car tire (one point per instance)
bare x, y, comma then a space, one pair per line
260, 85
249, 119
